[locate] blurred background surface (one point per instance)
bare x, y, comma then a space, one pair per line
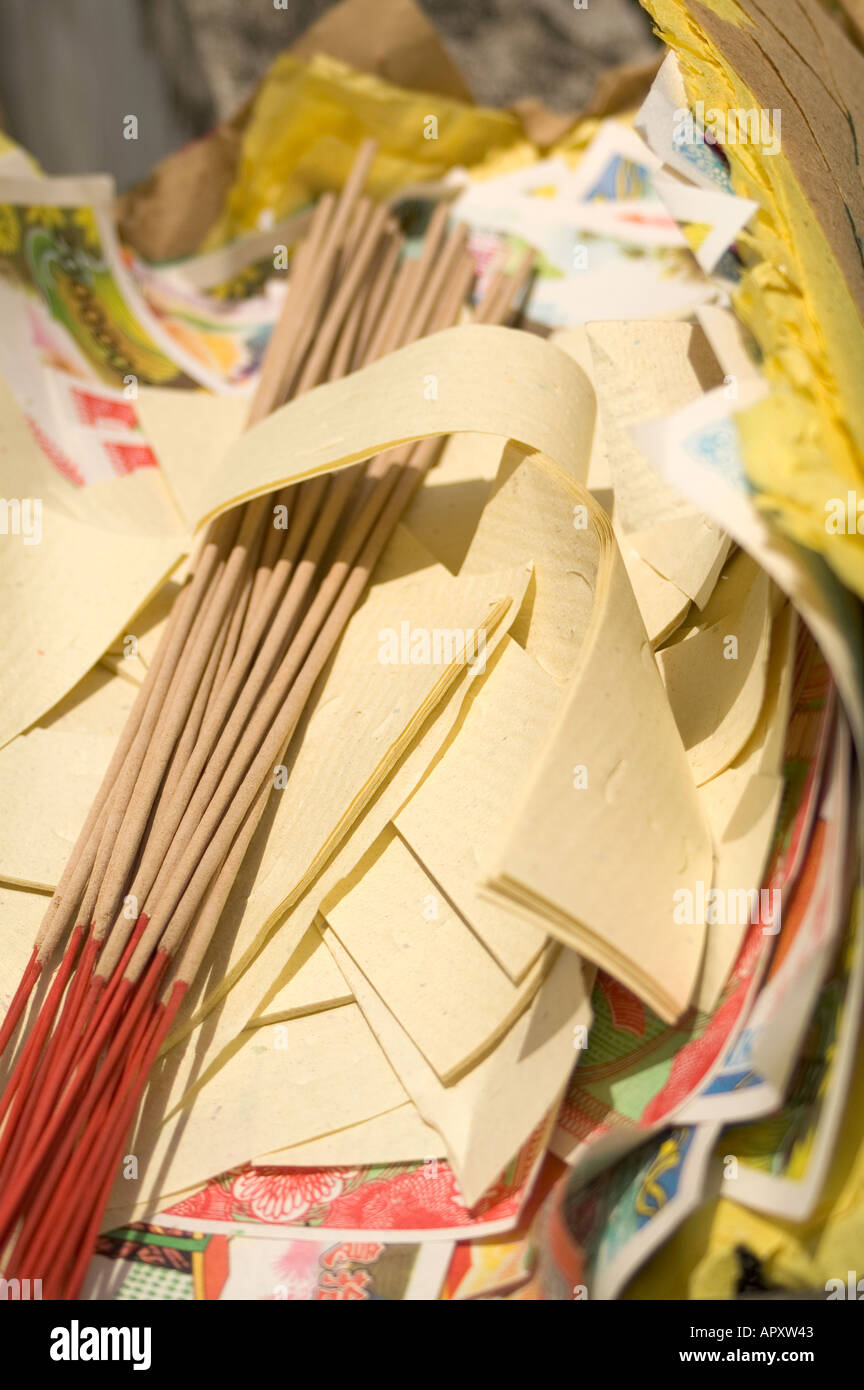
71, 70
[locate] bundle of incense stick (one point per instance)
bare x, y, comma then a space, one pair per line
269, 593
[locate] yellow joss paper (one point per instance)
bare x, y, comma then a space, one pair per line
309, 118
802, 292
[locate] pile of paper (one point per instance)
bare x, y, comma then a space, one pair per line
563, 862
778, 86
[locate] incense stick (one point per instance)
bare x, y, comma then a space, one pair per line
246, 643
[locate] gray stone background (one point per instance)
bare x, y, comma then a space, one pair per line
71, 69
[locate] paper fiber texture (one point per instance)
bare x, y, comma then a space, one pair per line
535, 512
424, 961
460, 804
318, 1073
715, 678
49, 777
610, 825
314, 982
484, 1117
485, 379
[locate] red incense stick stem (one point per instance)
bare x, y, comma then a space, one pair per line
16, 1009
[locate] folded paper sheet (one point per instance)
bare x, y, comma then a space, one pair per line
50, 775
444, 513
484, 1117
742, 803
644, 370
536, 512
661, 603
427, 965
352, 738
397, 1136
319, 1073
460, 379
448, 821
715, 678
105, 549
610, 825
258, 990
690, 551
315, 982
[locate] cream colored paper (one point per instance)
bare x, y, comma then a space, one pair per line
535, 511
257, 989
314, 982
690, 551
733, 585
610, 826
715, 680
133, 650
644, 369
50, 775
397, 1136
189, 431
258, 986
445, 511
662, 605
485, 1117
576, 343
103, 551
212, 1043
449, 819
290, 1081
427, 965
475, 377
